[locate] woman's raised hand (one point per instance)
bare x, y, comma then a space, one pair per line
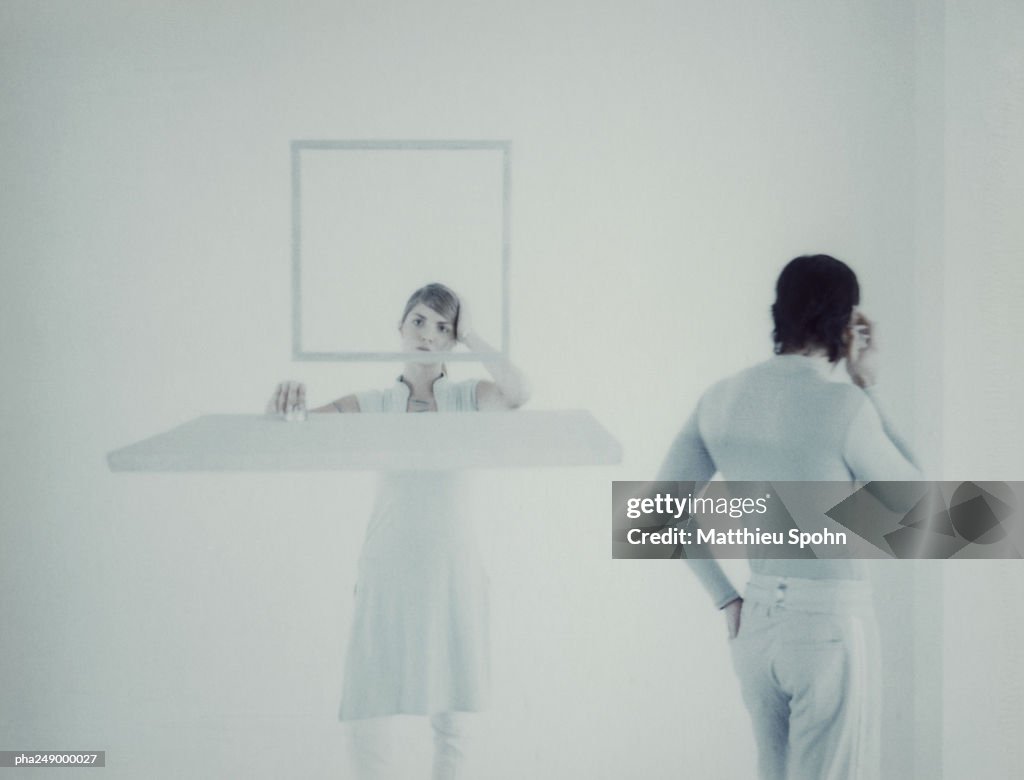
288, 401
509, 390
861, 350
464, 326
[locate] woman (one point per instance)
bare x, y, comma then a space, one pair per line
419, 638
803, 639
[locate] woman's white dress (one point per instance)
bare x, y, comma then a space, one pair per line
419, 642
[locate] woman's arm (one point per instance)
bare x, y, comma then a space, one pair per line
347, 404
289, 401
509, 390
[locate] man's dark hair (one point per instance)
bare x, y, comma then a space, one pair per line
814, 299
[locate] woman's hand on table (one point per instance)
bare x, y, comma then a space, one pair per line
288, 401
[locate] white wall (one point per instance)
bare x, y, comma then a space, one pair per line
983, 415
667, 159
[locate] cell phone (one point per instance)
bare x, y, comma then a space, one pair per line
861, 334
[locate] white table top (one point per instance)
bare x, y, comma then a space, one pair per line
380, 442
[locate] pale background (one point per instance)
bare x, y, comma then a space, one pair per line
375, 224
667, 159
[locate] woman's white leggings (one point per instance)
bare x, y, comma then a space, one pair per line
373, 748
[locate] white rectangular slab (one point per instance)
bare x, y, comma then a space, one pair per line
385, 442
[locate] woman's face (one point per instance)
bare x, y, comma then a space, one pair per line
426, 330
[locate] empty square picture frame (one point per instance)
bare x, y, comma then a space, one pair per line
374, 220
